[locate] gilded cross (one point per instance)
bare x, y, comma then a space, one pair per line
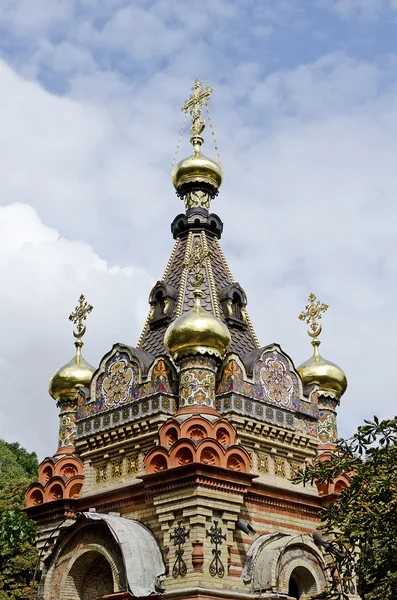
79, 316
312, 314
195, 263
197, 99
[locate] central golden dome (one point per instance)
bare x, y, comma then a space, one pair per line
197, 332
70, 377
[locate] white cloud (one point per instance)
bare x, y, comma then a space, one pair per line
367, 9
42, 277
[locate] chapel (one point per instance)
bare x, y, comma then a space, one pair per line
173, 476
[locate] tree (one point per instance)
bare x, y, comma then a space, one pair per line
361, 521
18, 554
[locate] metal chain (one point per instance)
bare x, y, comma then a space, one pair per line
179, 143
213, 137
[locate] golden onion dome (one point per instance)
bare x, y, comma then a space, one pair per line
197, 332
329, 378
197, 168
69, 378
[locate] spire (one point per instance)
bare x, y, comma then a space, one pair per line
197, 178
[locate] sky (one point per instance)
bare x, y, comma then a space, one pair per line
305, 116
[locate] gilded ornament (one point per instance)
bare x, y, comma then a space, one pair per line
197, 169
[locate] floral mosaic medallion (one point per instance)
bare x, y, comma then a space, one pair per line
116, 385
276, 381
67, 431
327, 431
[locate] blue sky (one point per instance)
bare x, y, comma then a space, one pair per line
305, 114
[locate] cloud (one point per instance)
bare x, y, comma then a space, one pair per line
43, 276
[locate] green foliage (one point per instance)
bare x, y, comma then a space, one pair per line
362, 520
18, 554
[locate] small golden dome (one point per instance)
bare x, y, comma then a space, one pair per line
197, 332
329, 378
69, 378
197, 168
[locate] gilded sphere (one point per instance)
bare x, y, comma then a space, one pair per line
69, 378
197, 168
197, 332
329, 378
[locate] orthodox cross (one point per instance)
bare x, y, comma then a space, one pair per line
197, 99
312, 314
195, 263
179, 536
216, 536
79, 316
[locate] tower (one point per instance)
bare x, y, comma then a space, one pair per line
188, 442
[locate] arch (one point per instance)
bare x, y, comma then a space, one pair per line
183, 456
235, 462
274, 559
167, 432
209, 456
73, 491
157, 463
97, 542
340, 485
195, 421
91, 574
35, 497
55, 492
302, 583
47, 473
197, 432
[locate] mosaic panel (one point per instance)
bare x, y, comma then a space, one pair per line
327, 429
67, 430
274, 382
120, 384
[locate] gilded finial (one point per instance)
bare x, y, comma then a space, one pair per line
311, 315
78, 317
193, 106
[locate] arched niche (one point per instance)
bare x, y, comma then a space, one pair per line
91, 575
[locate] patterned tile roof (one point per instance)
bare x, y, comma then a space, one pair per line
217, 277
